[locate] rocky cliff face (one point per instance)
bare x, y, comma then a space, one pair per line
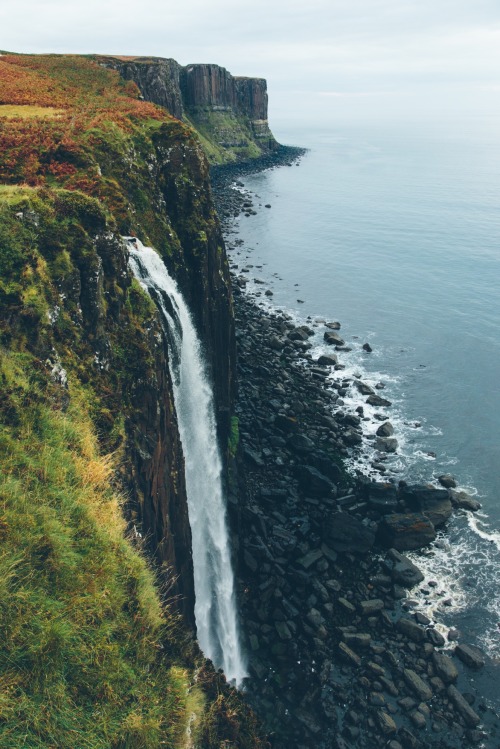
230, 113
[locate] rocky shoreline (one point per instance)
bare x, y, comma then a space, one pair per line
338, 657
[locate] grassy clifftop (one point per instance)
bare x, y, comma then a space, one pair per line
92, 654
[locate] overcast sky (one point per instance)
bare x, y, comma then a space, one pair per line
324, 60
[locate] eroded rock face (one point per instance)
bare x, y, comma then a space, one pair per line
158, 80
230, 111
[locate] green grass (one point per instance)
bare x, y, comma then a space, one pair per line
83, 660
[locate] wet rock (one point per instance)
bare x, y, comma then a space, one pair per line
435, 638
432, 502
333, 339
444, 667
357, 639
363, 388
411, 629
371, 606
378, 401
403, 571
385, 430
470, 655
464, 501
471, 718
386, 444
333, 325
447, 481
417, 685
342, 532
349, 655
382, 496
367, 348
329, 360
406, 531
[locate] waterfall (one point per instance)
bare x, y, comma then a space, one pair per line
215, 606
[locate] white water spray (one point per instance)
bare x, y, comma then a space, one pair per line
215, 607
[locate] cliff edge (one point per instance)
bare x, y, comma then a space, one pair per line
228, 112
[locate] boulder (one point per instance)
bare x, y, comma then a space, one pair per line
386, 444
300, 443
470, 717
382, 496
434, 503
385, 430
367, 348
444, 667
343, 532
377, 400
403, 571
363, 388
464, 501
333, 325
329, 360
406, 531
411, 629
313, 482
333, 339
417, 685
470, 655
447, 481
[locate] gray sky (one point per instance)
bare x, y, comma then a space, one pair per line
325, 60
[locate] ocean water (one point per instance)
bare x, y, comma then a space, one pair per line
395, 232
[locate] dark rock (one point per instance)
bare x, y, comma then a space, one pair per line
464, 501
378, 401
470, 717
406, 531
385, 430
333, 325
386, 444
314, 483
417, 684
367, 347
349, 655
411, 629
470, 655
432, 502
444, 667
371, 606
404, 572
333, 339
363, 388
345, 533
447, 481
300, 443
327, 360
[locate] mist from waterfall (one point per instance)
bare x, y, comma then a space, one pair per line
215, 605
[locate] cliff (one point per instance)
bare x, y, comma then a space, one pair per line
88, 424
229, 113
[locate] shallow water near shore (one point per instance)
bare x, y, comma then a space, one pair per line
396, 234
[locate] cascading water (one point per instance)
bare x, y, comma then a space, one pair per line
215, 607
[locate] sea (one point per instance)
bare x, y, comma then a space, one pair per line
394, 231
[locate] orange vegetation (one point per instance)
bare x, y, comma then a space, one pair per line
88, 97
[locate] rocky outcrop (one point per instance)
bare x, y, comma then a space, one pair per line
229, 112
158, 80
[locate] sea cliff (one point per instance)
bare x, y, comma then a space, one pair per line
98, 621
93, 468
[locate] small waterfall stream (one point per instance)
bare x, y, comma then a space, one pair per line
215, 606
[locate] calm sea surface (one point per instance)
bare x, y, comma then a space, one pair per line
396, 234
